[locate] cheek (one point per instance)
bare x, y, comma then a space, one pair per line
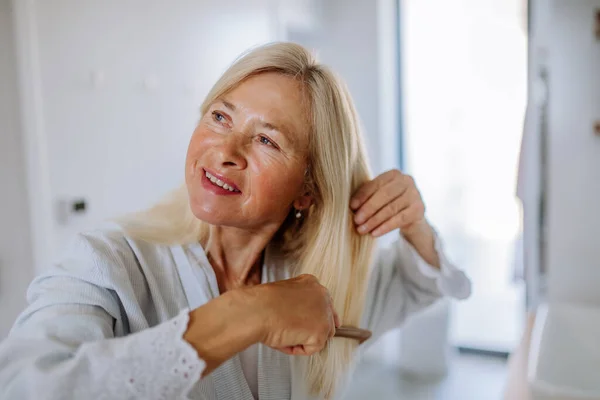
276, 182
198, 142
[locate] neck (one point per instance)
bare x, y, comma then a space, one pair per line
235, 254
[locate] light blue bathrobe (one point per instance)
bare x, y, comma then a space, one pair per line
106, 322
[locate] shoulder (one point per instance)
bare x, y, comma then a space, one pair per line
106, 254
105, 268
103, 244
111, 241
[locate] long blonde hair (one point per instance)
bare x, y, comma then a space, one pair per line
324, 242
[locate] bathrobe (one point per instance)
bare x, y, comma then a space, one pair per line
107, 320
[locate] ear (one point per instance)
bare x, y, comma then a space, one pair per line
303, 202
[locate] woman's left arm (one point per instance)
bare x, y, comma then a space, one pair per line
414, 272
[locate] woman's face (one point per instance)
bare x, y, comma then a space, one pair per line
253, 142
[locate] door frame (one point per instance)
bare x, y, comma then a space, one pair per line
34, 142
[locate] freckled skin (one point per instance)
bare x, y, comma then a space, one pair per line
255, 136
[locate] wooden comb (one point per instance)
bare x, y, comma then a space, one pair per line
350, 332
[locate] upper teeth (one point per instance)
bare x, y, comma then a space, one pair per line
219, 182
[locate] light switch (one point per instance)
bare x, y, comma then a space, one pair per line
68, 208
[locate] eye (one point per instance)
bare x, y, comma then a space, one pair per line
220, 118
265, 140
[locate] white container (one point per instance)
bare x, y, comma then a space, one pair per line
425, 350
564, 358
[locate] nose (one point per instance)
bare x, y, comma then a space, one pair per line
231, 151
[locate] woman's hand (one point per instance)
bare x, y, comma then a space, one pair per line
390, 201
297, 314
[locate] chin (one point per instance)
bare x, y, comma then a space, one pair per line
209, 214
211, 219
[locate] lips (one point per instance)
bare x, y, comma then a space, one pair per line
220, 181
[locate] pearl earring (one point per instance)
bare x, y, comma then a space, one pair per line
298, 214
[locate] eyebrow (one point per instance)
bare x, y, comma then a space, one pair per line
228, 105
264, 124
268, 125
286, 135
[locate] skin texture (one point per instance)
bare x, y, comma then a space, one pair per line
255, 138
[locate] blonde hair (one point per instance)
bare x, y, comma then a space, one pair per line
324, 242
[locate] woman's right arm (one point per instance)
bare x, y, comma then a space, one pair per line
63, 344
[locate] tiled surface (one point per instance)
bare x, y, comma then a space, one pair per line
471, 378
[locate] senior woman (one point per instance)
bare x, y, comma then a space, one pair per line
233, 286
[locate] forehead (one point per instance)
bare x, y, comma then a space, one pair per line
273, 98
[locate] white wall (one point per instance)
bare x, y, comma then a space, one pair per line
16, 265
574, 152
115, 89
357, 40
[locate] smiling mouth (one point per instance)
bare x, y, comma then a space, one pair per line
217, 182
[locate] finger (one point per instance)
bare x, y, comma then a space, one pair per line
406, 218
289, 350
298, 350
309, 350
383, 196
390, 210
332, 326
303, 350
363, 194
369, 188
334, 314
336, 320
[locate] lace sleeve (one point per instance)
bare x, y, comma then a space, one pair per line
40, 360
161, 365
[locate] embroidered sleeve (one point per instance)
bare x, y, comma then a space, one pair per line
57, 355
160, 365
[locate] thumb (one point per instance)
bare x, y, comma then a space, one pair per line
336, 319
289, 350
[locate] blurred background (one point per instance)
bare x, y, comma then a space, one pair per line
489, 104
